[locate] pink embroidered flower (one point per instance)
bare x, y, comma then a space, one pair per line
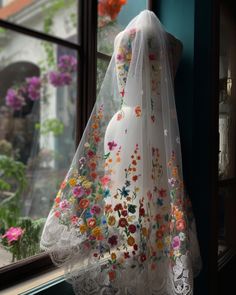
13, 234
176, 243
105, 180
57, 214
96, 209
74, 219
120, 57
78, 191
112, 145
64, 205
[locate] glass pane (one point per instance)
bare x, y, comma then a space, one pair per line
113, 17
227, 96
101, 71
37, 137
55, 17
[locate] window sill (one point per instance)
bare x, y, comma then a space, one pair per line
36, 284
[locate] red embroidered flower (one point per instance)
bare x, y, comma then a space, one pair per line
118, 207
112, 275
143, 257
124, 213
123, 222
135, 247
141, 211
126, 255
135, 177
132, 228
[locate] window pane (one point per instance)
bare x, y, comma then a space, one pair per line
101, 71
37, 137
113, 16
54, 17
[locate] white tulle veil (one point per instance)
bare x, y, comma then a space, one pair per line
121, 222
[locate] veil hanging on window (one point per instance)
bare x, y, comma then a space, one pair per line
121, 222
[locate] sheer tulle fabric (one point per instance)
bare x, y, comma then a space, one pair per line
121, 222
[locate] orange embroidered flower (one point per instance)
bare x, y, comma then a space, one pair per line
108, 208
82, 228
111, 220
159, 245
178, 214
180, 224
84, 203
96, 232
113, 256
130, 241
144, 231
138, 111
72, 182
91, 222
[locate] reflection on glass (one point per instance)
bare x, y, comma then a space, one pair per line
37, 119
113, 16
54, 17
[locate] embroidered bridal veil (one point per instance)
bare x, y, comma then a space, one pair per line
121, 222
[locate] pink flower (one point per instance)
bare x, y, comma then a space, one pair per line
112, 145
13, 234
78, 191
176, 243
96, 209
105, 180
64, 204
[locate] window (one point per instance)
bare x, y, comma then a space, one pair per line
50, 72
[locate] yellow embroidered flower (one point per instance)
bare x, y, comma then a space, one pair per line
87, 184
128, 56
113, 256
81, 178
159, 245
72, 182
130, 241
83, 228
96, 232
167, 240
111, 220
136, 189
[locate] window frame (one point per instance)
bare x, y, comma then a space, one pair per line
87, 55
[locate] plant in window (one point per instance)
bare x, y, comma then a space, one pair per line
61, 76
